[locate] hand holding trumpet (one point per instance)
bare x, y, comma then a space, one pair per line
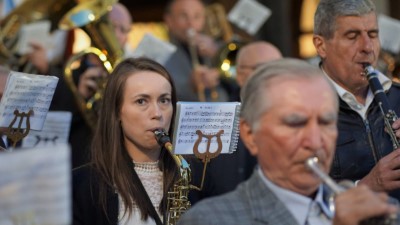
356, 205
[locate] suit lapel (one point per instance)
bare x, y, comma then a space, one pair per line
265, 206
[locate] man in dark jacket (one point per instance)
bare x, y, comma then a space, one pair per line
346, 39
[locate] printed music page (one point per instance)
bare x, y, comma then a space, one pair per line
209, 118
55, 130
154, 48
249, 22
35, 186
389, 33
25, 92
38, 32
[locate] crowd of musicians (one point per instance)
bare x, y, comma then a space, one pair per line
291, 112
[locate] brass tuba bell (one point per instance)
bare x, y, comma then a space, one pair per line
91, 16
29, 11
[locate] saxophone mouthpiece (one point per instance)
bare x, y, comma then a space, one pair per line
161, 137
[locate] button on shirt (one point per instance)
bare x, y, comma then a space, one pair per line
351, 100
305, 210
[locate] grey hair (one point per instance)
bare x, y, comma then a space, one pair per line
329, 10
254, 104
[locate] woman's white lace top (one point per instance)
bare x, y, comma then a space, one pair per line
152, 180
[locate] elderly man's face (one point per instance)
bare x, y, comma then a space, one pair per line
299, 123
355, 42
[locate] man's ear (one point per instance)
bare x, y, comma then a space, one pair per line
247, 136
319, 44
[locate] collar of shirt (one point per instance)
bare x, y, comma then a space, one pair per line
351, 100
298, 205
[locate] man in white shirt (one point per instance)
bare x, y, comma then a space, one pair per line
346, 38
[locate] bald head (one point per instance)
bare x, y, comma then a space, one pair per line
122, 21
252, 55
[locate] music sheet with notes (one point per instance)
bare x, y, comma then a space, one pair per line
55, 130
35, 186
209, 118
25, 92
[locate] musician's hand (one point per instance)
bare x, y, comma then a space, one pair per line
205, 77
396, 126
385, 176
38, 57
88, 84
360, 203
206, 45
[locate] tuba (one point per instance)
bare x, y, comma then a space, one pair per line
92, 17
29, 11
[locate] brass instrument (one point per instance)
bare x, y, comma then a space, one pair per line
92, 17
313, 164
177, 199
219, 27
195, 63
28, 12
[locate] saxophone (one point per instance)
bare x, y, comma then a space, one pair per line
177, 199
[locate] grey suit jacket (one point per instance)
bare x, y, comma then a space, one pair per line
252, 202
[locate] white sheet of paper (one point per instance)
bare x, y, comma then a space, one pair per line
209, 118
35, 186
249, 15
37, 32
154, 48
55, 130
389, 33
26, 92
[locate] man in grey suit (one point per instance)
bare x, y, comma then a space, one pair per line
288, 115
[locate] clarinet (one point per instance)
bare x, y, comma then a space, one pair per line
389, 115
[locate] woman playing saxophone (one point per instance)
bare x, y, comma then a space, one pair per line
130, 174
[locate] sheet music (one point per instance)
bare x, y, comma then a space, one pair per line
389, 33
249, 15
209, 118
38, 32
35, 186
25, 92
55, 130
154, 48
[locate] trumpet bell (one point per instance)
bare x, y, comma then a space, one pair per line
227, 59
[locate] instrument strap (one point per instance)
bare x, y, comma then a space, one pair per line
153, 213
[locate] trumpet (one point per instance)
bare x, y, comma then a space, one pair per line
313, 164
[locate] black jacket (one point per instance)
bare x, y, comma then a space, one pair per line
85, 195
361, 144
